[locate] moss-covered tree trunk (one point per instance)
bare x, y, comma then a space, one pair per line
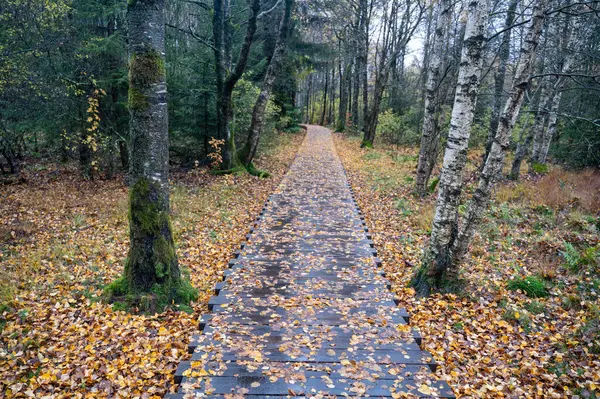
152, 277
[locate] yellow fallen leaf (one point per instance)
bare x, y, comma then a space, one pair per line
424, 389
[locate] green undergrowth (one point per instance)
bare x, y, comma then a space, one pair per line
175, 296
532, 286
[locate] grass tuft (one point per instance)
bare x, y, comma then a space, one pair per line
532, 286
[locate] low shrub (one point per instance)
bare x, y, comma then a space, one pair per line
532, 286
539, 168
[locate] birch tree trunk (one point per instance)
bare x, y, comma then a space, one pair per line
552, 125
429, 137
436, 270
248, 151
500, 77
544, 138
539, 123
152, 263
495, 160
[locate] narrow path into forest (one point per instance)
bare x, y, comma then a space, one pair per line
304, 310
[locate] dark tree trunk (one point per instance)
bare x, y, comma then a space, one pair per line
364, 51
349, 101
521, 153
324, 110
247, 153
205, 130
372, 116
151, 272
355, 90
343, 106
331, 111
312, 99
85, 157
226, 81
123, 154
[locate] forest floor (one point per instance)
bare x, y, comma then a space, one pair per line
63, 239
528, 322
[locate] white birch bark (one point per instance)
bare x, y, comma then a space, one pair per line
436, 268
495, 161
539, 123
429, 137
500, 77
543, 138
574, 42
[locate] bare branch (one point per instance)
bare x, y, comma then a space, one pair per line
270, 10
190, 32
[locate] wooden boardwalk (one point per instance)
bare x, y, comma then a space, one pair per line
304, 309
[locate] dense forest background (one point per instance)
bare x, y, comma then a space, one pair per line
355, 65
64, 89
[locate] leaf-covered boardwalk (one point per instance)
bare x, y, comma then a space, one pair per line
304, 310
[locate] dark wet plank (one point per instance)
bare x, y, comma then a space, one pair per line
304, 309
358, 317
272, 341
351, 371
324, 384
303, 354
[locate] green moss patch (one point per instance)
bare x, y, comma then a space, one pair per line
146, 69
136, 100
532, 286
152, 279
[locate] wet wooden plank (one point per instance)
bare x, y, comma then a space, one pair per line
330, 355
275, 340
305, 309
263, 386
352, 371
